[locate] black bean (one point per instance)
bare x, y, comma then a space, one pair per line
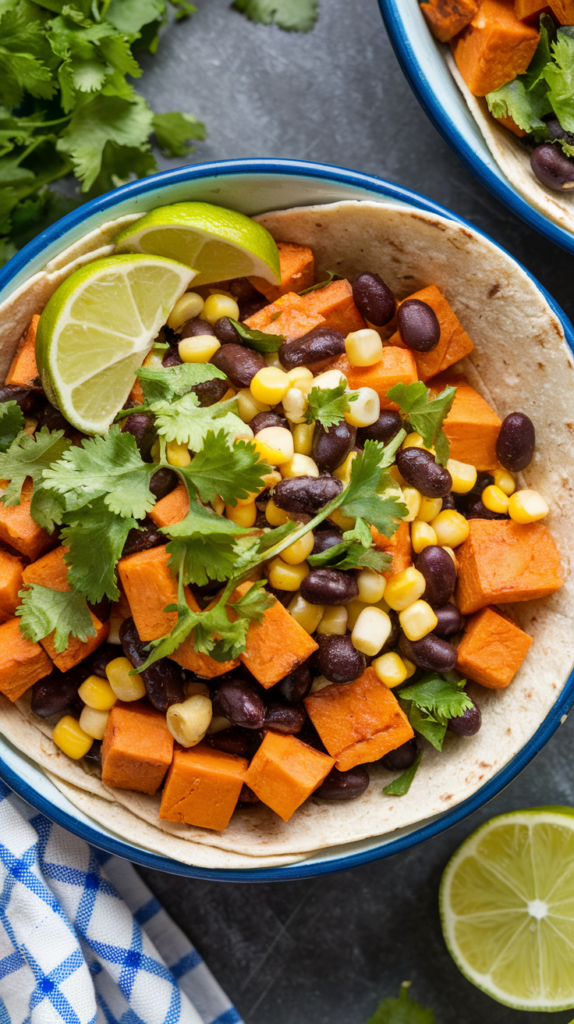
420, 469
141, 426
247, 798
449, 620
51, 418
479, 511
102, 609
283, 596
306, 493
239, 701
344, 785
100, 658
418, 325
468, 723
143, 539
163, 482
463, 501
384, 429
163, 680
439, 572
315, 349
516, 442
448, 502
310, 736
294, 687
172, 358
393, 637
331, 446
232, 741
374, 299
288, 720
401, 758
552, 167
329, 586
26, 398
239, 363
556, 131
225, 332
210, 391
338, 660
196, 328
249, 307
267, 419
325, 539
58, 691
431, 653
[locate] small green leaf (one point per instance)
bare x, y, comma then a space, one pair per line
174, 130
401, 785
290, 15
403, 1010
258, 340
44, 611
11, 423
175, 381
328, 406
322, 284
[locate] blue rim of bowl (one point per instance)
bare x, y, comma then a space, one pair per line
339, 862
500, 186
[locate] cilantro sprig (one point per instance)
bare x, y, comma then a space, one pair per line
290, 15
425, 414
258, 340
403, 1010
328, 406
354, 552
432, 702
44, 611
11, 423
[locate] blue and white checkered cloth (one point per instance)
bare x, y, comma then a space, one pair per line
82, 939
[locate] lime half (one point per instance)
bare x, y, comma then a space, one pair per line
221, 244
97, 330
507, 908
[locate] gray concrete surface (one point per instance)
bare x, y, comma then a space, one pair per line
325, 951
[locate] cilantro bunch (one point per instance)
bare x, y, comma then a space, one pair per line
424, 414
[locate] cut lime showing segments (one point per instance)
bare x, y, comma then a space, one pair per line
507, 908
97, 330
221, 244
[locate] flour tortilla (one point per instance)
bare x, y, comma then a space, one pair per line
520, 361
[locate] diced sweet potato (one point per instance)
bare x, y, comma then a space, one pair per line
202, 787
201, 664
336, 304
492, 649
511, 125
448, 17
399, 546
297, 272
289, 316
275, 646
472, 426
454, 341
23, 369
149, 586
397, 366
285, 771
494, 48
171, 509
77, 650
49, 571
18, 529
136, 394
564, 11
502, 562
360, 721
22, 663
11, 569
528, 8
137, 748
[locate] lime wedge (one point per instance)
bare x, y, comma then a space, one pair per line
221, 244
507, 908
97, 329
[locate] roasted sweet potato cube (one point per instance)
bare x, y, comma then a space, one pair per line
297, 272
49, 571
529, 8
358, 722
171, 509
564, 11
201, 664
454, 341
492, 649
399, 546
18, 529
11, 579
285, 771
511, 125
336, 304
136, 394
150, 587
289, 315
472, 426
448, 17
77, 650
23, 369
137, 748
22, 663
502, 562
202, 787
275, 646
397, 366
494, 48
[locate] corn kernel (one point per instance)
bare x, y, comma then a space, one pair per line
298, 374
229, 394
450, 552
394, 472
343, 472
199, 349
272, 359
271, 478
299, 550
390, 669
504, 480
527, 507
71, 738
286, 577
329, 379
343, 522
247, 407
242, 515
300, 465
218, 724
186, 308
334, 621
275, 445
451, 528
371, 631
417, 620
494, 499
422, 536
189, 721
354, 609
295, 405
307, 615
192, 689
275, 516
305, 385
153, 360
410, 667
429, 509
414, 440
365, 409
125, 686
303, 438
177, 454
97, 693
404, 588
218, 505
463, 476
412, 499
319, 683
155, 452
218, 305
270, 385
371, 586
364, 348
94, 722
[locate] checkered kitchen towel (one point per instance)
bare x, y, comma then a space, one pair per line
82, 939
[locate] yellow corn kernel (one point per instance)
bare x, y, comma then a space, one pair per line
295, 405
218, 305
450, 552
153, 360
394, 472
334, 621
275, 516
417, 620
270, 385
412, 499
371, 586
191, 689
319, 683
422, 536
218, 724
177, 454
307, 615
125, 686
371, 631
71, 738
343, 472
365, 409
97, 693
343, 522
354, 609
429, 509
199, 349
527, 507
463, 476
189, 721
272, 359
300, 465
155, 452
364, 348
187, 308
286, 577
218, 505
300, 550
504, 480
298, 374
413, 440
391, 669
451, 528
247, 407
404, 588
494, 499
94, 722
275, 445
410, 667
271, 478
303, 438
329, 379
306, 386
230, 393
242, 515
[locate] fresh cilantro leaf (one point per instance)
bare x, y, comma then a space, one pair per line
97, 120
183, 9
47, 508
258, 340
96, 538
328, 406
560, 77
254, 603
232, 474
322, 284
424, 724
185, 421
203, 545
290, 15
425, 414
11, 423
542, 55
129, 16
403, 1010
360, 499
174, 130
174, 381
440, 697
30, 457
526, 108
354, 552
401, 785
44, 611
